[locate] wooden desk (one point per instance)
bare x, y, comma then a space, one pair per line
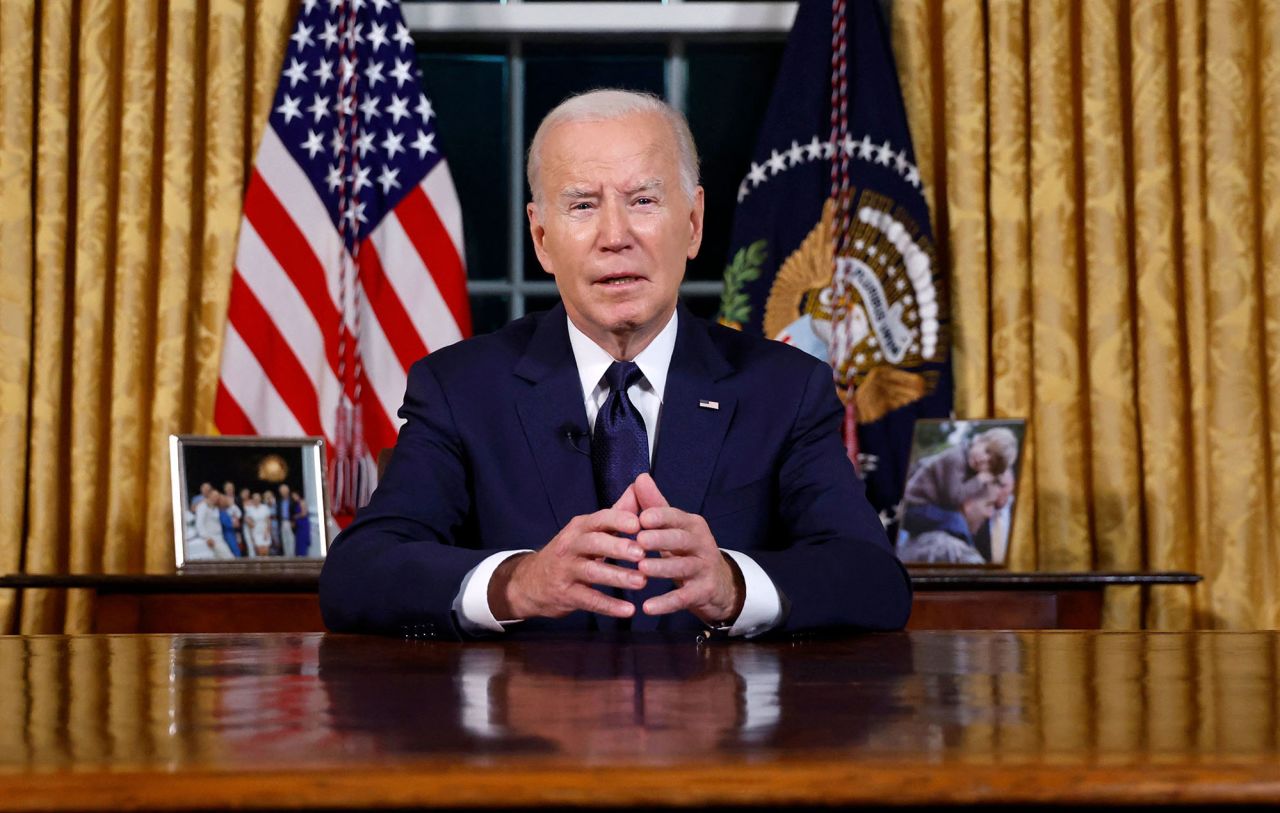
938, 718
269, 600
993, 599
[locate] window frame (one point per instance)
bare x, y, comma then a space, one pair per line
515, 23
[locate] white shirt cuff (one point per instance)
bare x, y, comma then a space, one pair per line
761, 606
471, 605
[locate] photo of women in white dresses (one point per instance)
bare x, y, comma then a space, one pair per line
248, 502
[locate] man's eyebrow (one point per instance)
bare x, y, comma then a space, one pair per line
647, 185
577, 193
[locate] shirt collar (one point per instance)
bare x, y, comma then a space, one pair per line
653, 361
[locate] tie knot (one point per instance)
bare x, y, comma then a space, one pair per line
621, 375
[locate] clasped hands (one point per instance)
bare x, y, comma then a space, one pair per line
562, 576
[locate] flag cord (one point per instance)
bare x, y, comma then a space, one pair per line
348, 478
840, 194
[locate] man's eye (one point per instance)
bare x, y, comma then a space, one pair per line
581, 206
645, 201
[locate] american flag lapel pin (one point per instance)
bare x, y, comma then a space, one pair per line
705, 404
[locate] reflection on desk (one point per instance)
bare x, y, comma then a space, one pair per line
312, 720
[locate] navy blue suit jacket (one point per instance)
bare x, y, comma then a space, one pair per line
493, 456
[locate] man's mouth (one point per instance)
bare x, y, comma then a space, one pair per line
618, 279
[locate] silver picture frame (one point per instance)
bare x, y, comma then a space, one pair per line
263, 473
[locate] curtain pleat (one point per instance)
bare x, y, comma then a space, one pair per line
1236, 406
49, 478
1009, 267
179, 224
1111, 424
1267, 112
1062, 524
17, 129
132, 313
1167, 494
965, 79
1128, 302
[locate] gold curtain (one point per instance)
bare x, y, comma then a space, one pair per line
127, 129
1104, 178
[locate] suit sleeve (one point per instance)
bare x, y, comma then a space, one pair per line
397, 568
836, 568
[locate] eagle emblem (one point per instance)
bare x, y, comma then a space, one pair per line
872, 309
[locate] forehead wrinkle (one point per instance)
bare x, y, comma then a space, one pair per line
646, 185
577, 192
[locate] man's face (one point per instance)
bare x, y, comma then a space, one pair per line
1004, 489
614, 227
978, 510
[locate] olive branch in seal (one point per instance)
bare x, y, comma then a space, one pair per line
735, 305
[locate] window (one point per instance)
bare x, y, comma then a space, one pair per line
493, 70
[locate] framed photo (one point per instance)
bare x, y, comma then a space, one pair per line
243, 499
961, 492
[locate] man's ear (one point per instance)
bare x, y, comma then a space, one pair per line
695, 223
538, 233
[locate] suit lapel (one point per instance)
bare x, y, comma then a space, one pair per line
691, 429
551, 409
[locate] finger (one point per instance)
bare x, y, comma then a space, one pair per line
593, 601
647, 493
681, 568
668, 540
600, 545
679, 599
612, 520
627, 502
593, 571
667, 517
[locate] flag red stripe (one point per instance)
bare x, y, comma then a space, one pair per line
290, 248
228, 416
387, 307
432, 240
266, 343
379, 431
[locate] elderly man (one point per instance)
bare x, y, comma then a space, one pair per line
615, 463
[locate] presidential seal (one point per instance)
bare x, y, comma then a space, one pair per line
866, 304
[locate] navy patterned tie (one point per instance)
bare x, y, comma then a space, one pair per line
619, 453
619, 444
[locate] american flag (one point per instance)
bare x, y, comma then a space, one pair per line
350, 260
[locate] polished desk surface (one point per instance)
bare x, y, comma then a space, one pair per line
302, 720
304, 577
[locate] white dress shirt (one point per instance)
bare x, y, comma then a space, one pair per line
761, 606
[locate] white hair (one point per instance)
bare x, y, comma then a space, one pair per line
608, 104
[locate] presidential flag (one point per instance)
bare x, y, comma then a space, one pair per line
350, 261
832, 249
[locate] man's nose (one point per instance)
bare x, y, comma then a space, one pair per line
615, 228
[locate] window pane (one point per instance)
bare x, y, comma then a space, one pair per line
729, 88
469, 92
553, 72
489, 312
705, 307
540, 302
